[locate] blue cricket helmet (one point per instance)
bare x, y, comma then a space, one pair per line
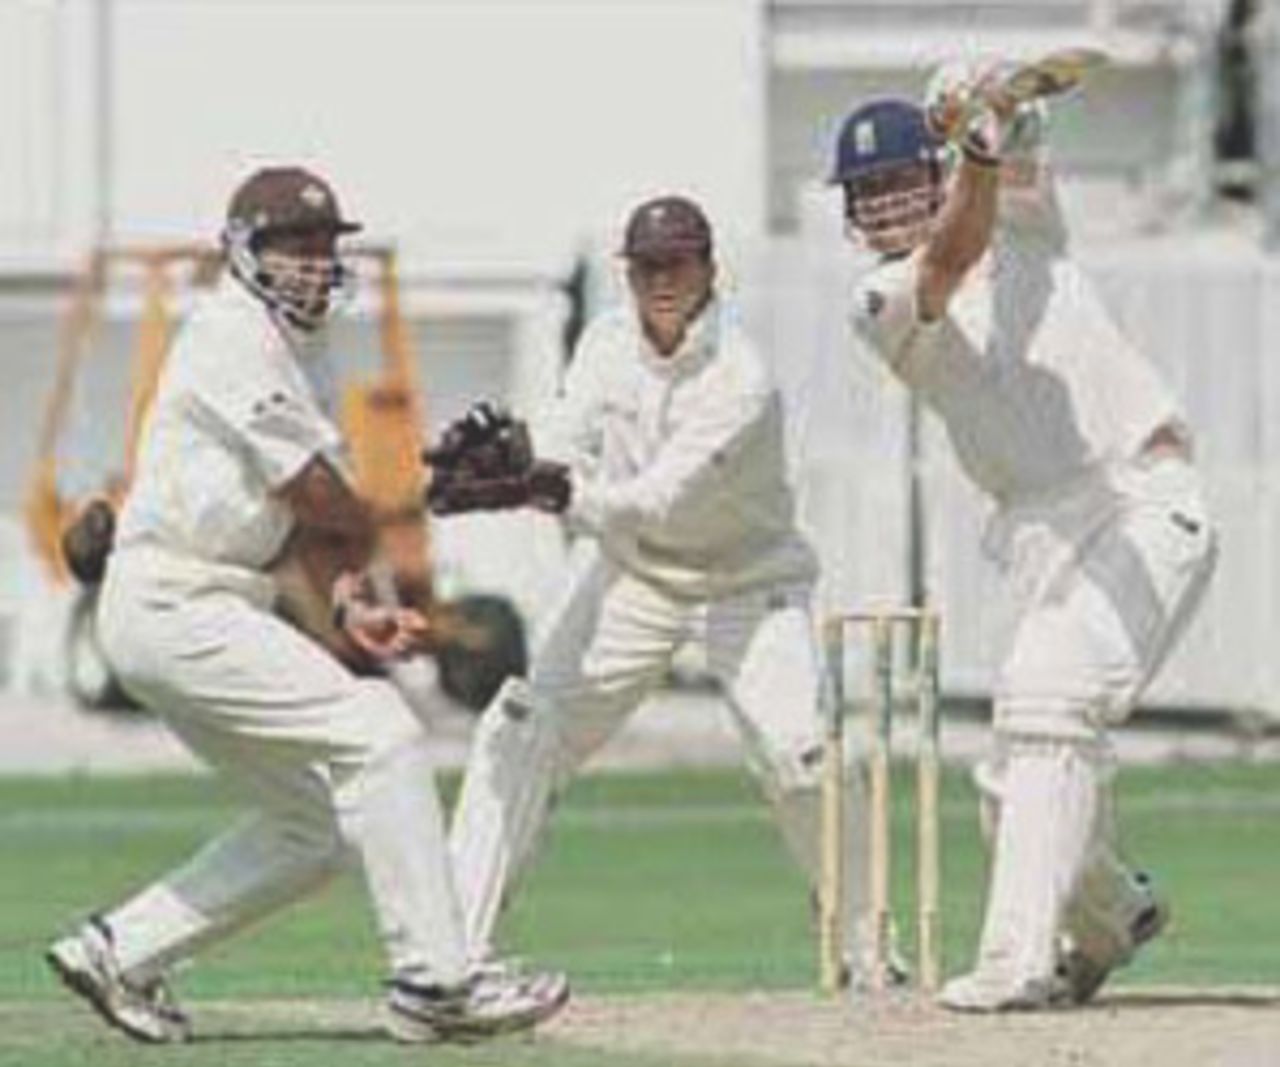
882, 133
889, 166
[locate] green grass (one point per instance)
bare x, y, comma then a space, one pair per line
648, 882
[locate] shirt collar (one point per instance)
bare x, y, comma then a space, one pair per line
301, 344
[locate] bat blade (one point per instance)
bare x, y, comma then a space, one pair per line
1052, 74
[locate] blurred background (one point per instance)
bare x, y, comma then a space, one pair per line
497, 145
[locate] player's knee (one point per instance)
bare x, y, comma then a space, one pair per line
1035, 738
313, 838
794, 766
299, 812
519, 733
1060, 716
1044, 689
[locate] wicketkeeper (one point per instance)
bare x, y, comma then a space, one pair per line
665, 452
1099, 523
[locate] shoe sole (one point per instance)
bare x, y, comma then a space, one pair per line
405, 1029
1027, 1004
89, 991
408, 1029
508, 1024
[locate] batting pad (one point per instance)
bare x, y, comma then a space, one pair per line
797, 808
1049, 811
503, 807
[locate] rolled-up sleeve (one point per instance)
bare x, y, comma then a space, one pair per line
277, 426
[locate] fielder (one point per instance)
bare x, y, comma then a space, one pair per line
1099, 525
240, 459
665, 451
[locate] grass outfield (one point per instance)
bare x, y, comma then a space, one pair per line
648, 882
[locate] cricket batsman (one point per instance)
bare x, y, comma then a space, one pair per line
665, 453
1099, 524
241, 463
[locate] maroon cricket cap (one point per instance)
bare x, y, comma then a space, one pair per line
667, 226
287, 200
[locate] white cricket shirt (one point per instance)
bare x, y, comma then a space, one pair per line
1035, 383
237, 413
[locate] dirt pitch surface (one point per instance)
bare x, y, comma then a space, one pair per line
1164, 1027
1146, 1028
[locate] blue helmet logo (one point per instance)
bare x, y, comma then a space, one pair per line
882, 133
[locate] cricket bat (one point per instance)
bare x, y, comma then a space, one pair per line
958, 99
1051, 74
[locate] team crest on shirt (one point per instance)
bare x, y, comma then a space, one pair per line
275, 400
873, 302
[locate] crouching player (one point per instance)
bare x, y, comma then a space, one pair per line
667, 446
240, 462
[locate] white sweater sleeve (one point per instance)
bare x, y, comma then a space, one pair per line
568, 430
701, 452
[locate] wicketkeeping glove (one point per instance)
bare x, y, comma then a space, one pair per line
482, 436
485, 462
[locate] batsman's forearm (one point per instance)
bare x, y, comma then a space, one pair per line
962, 235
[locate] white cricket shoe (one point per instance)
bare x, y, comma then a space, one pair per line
86, 963
980, 991
1079, 976
497, 998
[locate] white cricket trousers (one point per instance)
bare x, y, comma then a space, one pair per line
607, 645
1107, 581
334, 763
